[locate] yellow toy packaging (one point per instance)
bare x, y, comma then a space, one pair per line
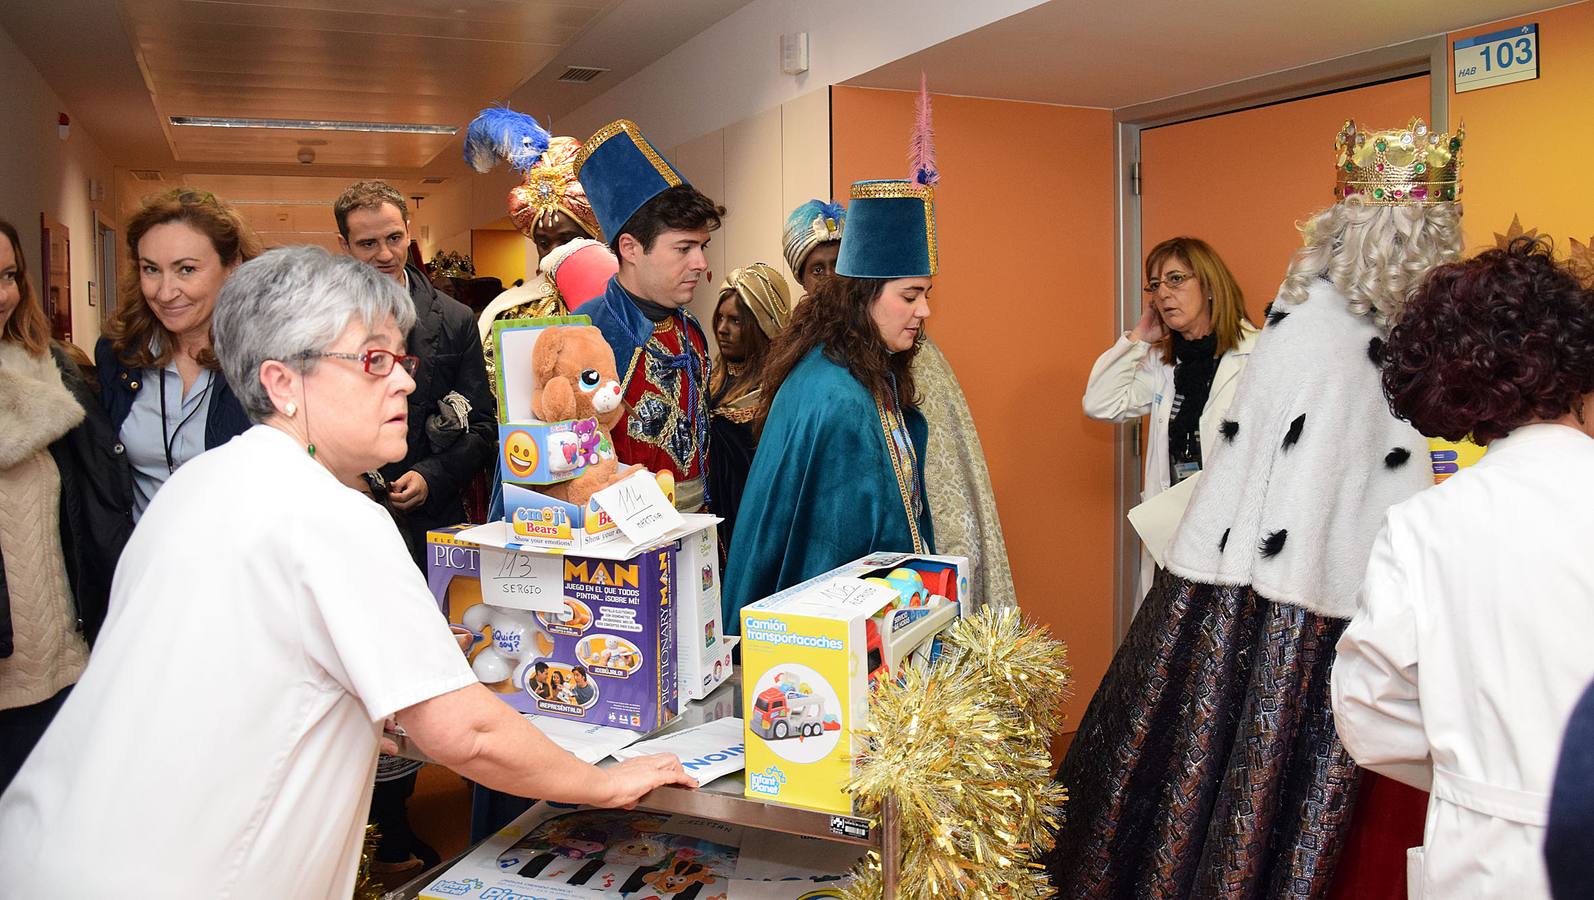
810, 654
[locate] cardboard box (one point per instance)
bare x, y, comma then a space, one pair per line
538, 520
809, 654
566, 852
530, 451
607, 659
702, 651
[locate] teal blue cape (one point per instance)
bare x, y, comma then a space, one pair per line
821, 492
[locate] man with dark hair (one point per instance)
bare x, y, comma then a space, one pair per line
453, 434
427, 486
583, 687
658, 226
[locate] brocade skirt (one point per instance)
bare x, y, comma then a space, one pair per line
1207, 764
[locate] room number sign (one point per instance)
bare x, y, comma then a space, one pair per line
1490, 60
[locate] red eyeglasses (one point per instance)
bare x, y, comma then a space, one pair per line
376, 362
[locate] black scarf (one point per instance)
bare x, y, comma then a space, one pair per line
1195, 364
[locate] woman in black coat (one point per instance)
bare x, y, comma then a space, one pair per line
65, 514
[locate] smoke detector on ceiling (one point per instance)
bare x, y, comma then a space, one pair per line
306, 155
579, 74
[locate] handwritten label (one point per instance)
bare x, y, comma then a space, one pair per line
520, 580
639, 508
855, 593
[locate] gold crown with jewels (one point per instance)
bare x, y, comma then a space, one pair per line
1386, 168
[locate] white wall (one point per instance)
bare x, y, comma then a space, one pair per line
732, 70
40, 173
759, 169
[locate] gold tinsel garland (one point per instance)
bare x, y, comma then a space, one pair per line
964, 748
366, 887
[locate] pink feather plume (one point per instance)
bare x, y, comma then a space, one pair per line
921, 149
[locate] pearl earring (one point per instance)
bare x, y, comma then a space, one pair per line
292, 409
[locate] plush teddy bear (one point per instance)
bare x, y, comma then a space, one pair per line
573, 377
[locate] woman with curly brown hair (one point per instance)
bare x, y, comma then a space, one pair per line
838, 471
1470, 647
183, 244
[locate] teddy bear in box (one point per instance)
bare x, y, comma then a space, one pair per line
573, 377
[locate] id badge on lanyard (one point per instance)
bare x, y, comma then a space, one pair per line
1183, 470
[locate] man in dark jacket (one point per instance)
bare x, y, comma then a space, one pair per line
427, 486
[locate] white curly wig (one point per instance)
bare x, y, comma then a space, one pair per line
1375, 255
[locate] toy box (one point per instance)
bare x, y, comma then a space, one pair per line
558, 851
530, 451
608, 658
702, 651
809, 654
538, 520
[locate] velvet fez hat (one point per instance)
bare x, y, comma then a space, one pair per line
621, 171
890, 231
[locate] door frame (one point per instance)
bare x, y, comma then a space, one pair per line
1424, 56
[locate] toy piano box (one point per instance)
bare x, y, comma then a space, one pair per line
809, 654
558, 851
531, 451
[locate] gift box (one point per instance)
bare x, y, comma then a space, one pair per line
809, 654
538, 520
530, 451
702, 651
607, 657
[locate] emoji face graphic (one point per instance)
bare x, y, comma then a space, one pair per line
520, 453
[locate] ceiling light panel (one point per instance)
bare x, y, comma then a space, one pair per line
311, 125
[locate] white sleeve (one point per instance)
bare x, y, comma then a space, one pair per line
386, 641
1376, 707
1122, 383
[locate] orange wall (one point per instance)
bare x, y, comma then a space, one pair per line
1528, 143
1022, 306
1242, 181
500, 254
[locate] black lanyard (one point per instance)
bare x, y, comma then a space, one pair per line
168, 440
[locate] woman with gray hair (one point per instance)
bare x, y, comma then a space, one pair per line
255, 648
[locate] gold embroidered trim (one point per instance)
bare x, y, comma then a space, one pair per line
905, 479
890, 190
740, 416
629, 128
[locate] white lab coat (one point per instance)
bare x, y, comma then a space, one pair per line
1471, 645
1130, 380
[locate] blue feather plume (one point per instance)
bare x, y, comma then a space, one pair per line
500, 133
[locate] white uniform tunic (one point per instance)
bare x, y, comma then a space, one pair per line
1131, 380
264, 621
1471, 645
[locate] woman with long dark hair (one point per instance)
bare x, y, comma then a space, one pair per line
755, 304
838, 472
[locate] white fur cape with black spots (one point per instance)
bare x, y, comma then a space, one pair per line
1309, 459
